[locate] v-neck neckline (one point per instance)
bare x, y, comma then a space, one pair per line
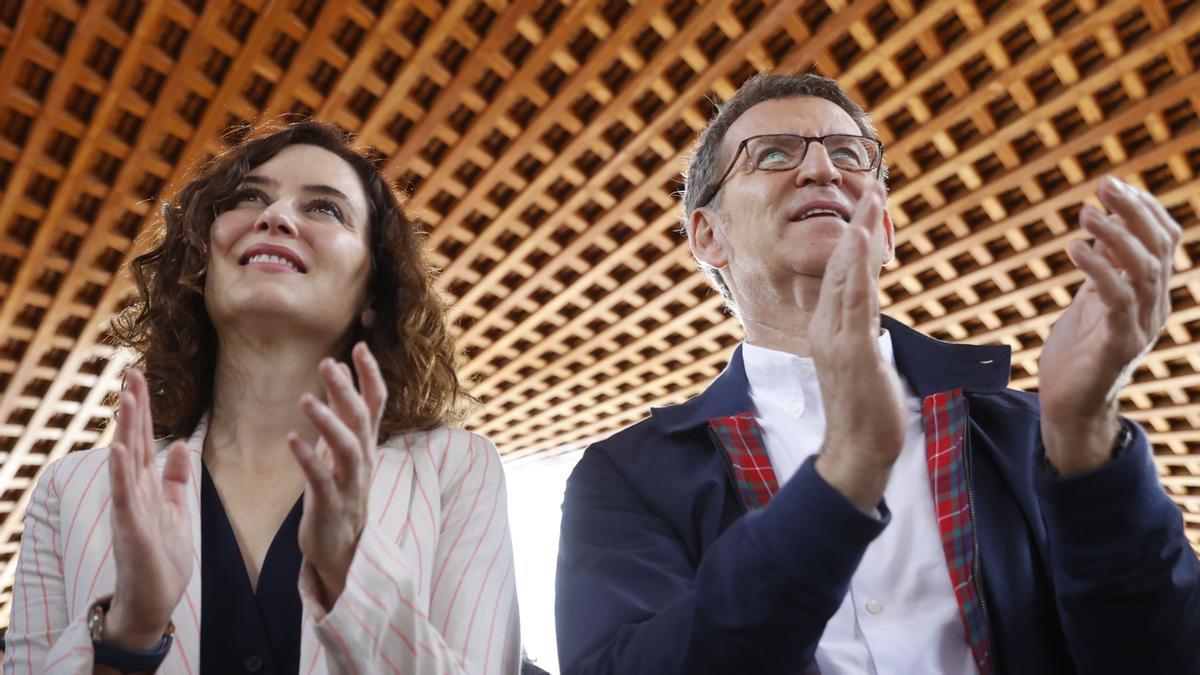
241, 622
289, 525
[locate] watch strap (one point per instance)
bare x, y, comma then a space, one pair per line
126, 660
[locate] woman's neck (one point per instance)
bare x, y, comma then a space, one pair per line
256, 401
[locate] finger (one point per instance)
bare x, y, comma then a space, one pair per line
1115, 291
176, 474
857, 304
345, 400
1122, 245
321, 485
118, 474
1141, 218
340, 439
1170, 226
838, 270
124, 420
370, 381
144, 428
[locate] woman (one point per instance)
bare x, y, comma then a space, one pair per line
309, 516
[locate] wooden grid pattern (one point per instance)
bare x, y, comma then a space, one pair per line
542, 142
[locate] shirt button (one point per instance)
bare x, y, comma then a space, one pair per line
874, 607
253, 663
806, 370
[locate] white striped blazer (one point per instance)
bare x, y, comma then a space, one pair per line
431, 587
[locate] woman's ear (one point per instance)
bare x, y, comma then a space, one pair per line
367, 318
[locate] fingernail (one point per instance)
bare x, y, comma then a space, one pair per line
1115, 185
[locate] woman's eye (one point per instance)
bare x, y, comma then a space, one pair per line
328, 208
249, 196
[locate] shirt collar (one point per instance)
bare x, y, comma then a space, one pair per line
790, 381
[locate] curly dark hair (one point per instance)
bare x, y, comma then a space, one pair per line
170, 330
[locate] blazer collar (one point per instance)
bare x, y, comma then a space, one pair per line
928, 365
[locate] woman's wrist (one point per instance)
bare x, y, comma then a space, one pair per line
131, 632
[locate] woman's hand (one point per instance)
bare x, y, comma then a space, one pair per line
335, 500
151, 525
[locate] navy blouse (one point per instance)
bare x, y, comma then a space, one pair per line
242, 629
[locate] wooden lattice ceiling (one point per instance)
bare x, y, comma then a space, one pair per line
542, 144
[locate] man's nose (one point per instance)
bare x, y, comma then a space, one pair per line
279, 218
817, 167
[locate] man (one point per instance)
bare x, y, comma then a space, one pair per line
851, 496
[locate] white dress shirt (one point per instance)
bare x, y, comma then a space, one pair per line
900, 615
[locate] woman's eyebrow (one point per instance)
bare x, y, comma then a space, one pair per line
328, 191
260, 180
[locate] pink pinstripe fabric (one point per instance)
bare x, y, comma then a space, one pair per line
433, 571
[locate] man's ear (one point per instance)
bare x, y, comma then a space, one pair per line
889, 234
706, 242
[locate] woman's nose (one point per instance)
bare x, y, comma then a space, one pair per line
277, 218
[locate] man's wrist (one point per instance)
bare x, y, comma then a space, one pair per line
1083, 443
861, 485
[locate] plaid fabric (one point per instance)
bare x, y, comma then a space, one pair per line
945, 419
741, 439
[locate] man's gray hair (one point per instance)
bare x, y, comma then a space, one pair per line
707, 161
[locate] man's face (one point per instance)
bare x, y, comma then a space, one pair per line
770, 226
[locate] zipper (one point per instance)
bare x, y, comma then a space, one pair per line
976, 565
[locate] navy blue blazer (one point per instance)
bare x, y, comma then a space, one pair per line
662, 570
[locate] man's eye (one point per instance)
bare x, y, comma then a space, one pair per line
774, 157
849, 157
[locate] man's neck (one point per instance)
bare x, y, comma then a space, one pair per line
780, 318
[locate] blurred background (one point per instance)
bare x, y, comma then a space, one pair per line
541, 143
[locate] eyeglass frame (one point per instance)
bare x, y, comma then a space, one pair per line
715, 187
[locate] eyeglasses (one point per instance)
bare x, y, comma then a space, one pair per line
784, 152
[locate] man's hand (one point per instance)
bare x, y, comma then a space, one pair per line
864, 403
1113, 321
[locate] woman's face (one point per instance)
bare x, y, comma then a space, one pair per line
290, 256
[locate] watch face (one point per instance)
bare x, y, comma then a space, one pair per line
96, 623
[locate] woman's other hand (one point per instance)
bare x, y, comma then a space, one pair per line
151, 525
339, 470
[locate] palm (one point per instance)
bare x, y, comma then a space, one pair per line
151, 522
1082, 358
153, 538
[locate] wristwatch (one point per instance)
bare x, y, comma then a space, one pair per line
124, 660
